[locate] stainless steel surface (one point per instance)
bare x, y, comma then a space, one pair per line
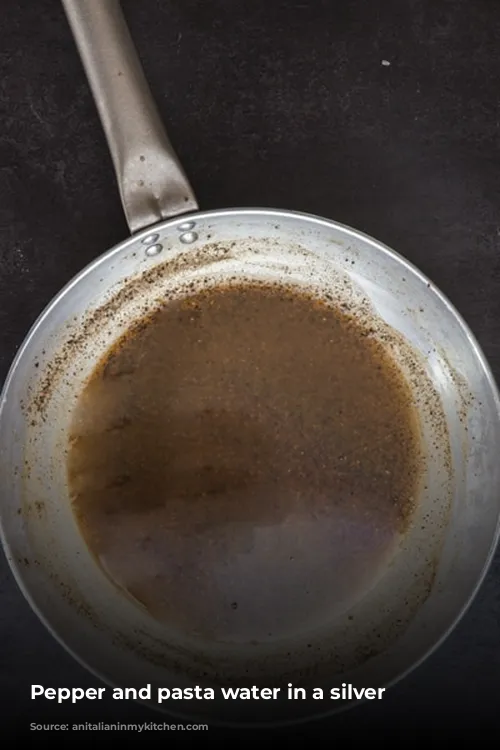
439, 564
454, 531
152, 183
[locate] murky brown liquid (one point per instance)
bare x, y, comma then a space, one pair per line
244, 464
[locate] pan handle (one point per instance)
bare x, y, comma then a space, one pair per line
153, 185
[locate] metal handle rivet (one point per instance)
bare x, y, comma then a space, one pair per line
188, 237
150, 239
153, 250
186, 226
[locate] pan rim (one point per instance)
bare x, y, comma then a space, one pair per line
262, 213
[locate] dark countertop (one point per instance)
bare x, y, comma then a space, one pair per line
282, 104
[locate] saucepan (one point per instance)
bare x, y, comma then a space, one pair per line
438, 566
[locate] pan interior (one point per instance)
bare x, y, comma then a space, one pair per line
245, 462
432, 570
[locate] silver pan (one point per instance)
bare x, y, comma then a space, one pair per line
443, 558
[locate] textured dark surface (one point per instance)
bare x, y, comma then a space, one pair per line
283, 104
